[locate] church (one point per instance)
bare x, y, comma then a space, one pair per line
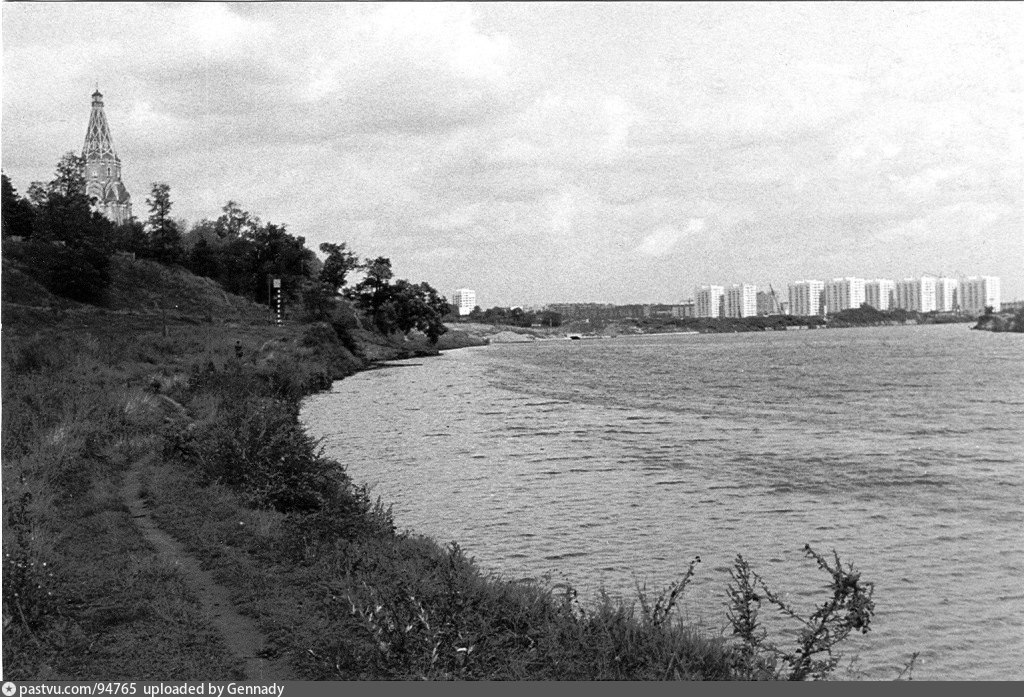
103, 168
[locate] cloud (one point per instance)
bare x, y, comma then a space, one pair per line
411, 68
547, 143
662, 240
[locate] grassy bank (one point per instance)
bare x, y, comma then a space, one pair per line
204, 406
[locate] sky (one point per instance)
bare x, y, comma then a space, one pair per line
550, 152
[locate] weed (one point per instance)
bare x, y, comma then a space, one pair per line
850, 608
657, 614
27, 578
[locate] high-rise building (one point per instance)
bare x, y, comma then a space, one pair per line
843, 294
464, 301
103, 168
945, 294
741, 300
916, 294
975, 293
805, 298
880, 293
708, 300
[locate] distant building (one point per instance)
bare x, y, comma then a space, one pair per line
978, 292
709, 300
843, 294
103, 168
741, 300
805, 298
768, 304
945, 294
880, 293
669, 311
464, 301
916, 294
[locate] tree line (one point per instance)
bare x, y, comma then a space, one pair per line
68, 245
514, 316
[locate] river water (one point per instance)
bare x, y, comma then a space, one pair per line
613, 462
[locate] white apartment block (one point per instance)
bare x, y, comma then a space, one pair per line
880, 293
916, 294
945, 294
976, 293
464, 300
805, 298
709, 300
741, 300
843, 294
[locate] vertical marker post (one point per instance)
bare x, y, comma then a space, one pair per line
277, 299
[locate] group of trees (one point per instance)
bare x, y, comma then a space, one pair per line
68, 244
68, 247
515, 316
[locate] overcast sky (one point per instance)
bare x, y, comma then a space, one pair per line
547, 152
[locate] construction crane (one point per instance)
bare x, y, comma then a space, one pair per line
774, 307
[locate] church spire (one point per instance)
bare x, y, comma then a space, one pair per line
98, 143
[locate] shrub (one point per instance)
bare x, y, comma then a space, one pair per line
256, 446
850, 608
76, 272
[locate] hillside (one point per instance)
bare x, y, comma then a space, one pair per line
136, 286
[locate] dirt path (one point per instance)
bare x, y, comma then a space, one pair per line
240, 633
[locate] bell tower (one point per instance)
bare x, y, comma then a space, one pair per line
103, 167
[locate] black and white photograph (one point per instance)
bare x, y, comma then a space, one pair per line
510, 341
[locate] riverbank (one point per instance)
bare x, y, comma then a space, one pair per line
203, 413
1001, 322
126, 422
860, 317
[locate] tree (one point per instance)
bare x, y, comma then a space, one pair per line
164, 236
378, 274
235, 223
70, 179
63, 211
339, 263
69, 244
130, 237
402, 306
202, 259
16, 212
550, 318
276, 254
36, 194
77, 272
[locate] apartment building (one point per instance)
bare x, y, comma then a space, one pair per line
464, 300
916, 294
709, 301
975, 293
741, 300
880, 293
843, 294
805, 298
945, 294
